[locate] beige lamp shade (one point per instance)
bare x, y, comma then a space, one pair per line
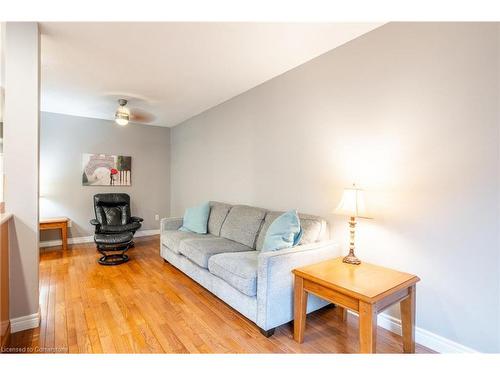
352, 203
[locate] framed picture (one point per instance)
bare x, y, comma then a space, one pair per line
106, 170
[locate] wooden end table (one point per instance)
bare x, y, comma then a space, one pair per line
366, 289
57, 223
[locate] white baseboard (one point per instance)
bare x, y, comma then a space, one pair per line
75, 240
71, 241
147, 232
25, 322
423, 337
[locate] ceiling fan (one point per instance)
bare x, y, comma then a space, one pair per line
123, 114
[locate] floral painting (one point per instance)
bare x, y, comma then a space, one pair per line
106, 170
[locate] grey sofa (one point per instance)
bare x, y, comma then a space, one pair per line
228, 262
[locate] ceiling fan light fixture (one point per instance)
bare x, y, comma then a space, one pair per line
122, 115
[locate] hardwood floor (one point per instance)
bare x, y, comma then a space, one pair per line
148, 306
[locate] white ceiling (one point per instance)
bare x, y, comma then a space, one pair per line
172, 70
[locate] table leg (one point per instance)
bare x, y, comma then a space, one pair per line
300, 307
367, 328
341, 312
64, 237
407, 307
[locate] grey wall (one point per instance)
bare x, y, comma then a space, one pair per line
409, 112
64, 138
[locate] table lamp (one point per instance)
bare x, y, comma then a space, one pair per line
353, 206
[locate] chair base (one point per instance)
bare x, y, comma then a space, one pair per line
113, 259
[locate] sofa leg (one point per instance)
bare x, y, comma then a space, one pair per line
267, 333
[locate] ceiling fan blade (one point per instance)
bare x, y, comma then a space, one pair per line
139, 115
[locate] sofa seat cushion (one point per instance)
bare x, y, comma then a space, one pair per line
172, 238
242, 224
238, 269
199, 250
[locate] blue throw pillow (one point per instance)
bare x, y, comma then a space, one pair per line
196, 219
284, 232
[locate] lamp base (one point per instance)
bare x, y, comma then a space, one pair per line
351, 259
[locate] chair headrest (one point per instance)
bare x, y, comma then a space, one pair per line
111, 199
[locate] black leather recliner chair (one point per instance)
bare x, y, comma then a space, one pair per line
114, 227
112, 212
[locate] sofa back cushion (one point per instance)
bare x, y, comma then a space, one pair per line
242, 224
218, 213
314, 228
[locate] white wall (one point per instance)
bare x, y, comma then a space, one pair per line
408, 111
21, 162
63, 140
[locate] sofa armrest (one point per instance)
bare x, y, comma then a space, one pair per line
170, 223
275, 280
136, 219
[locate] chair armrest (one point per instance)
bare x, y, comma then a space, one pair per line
275, 280
136, 219
171, 223
97, 225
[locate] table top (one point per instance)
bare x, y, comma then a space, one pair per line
365, 281
50, 220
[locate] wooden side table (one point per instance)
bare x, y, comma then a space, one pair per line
57, 223
366, 289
